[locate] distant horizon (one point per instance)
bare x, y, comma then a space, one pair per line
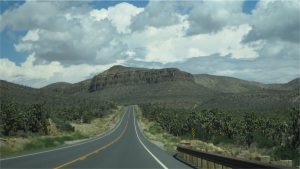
146, 68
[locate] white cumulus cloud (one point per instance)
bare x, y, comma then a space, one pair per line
68, 41
39, 75
120, 15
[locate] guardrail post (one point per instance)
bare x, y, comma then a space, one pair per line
204, 164
218, 166
207, 164
210, 165
195, 160
198, 162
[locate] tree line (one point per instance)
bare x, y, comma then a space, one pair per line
16, 118
19, 119
217, 126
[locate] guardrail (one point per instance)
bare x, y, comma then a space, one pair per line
207, 160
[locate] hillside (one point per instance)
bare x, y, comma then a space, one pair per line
124, 76
168, 86
52, 96
57, 87
233, 85
138, 85
227, 84
68, 88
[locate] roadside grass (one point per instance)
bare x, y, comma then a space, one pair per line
153, 131
45, 142
33, 143
99, 125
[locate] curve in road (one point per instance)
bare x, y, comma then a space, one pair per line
123, 147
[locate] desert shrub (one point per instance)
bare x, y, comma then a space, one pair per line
63, 125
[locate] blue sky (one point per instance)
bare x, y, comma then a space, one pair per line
231, 38
249, 5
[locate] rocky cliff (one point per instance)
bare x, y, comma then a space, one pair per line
121, 75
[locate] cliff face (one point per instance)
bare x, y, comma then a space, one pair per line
120, 75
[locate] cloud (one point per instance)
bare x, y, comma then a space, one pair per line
74, 36
39, 75
120, 15
275, 20
279, 63
169, 44
31, 35
213, 37
156, 14
262, 69
212, 16
31, 15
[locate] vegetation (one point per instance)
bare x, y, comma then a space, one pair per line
20, 119
99, 125
15, 145
29, 112
248, 130
16, 118
34, 127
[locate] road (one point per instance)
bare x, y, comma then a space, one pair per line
123, 147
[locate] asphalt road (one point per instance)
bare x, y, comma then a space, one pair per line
123, 147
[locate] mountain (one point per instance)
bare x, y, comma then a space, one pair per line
128, 85
241, 95
292, 85
227, 84
233, 85
169, 86
124, 76
57, 87
68, 88
17, 92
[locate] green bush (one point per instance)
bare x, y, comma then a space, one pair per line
15, 120
87, 117
285, 153
38, 143
155, 129
63, 125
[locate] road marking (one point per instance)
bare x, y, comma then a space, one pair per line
84, 142
155, 158
83, 157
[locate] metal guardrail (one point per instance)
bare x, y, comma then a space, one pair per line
216, 161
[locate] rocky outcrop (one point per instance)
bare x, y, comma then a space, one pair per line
120, 75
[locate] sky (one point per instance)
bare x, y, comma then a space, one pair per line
43, 42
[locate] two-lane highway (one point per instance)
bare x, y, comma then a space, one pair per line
123, 147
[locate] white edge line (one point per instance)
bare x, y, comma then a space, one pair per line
74, 145
155, 158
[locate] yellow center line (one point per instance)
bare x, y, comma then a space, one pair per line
96, 150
